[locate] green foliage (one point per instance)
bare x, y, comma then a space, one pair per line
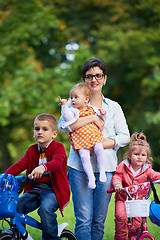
39, 39
126, 37
24, 80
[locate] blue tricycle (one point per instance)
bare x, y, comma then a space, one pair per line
10, 189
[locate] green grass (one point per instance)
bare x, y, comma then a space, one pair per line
109, 223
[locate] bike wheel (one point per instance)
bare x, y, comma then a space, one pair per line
6, 236
66, 234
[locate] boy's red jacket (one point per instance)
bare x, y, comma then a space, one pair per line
56, 164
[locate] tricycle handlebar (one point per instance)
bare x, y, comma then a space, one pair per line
136, 188
25, 180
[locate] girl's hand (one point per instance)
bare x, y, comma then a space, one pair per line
118, 187
37, 172
102, 111
62, 101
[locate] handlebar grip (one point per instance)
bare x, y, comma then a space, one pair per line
25, 180
111, 190
46, 174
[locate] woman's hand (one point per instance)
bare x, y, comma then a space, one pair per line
110, 143
99, 122
82, 121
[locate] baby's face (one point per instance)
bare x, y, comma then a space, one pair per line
78, 99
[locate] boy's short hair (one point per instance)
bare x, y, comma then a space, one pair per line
47, 117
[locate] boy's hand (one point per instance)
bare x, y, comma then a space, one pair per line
62, 101
118, 187
37, 172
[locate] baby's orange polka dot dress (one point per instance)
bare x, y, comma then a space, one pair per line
88, 135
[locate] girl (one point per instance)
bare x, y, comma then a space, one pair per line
87, 136
134, 170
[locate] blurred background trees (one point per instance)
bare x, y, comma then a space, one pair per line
44, 44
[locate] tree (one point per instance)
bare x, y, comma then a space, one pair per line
44, 44
125, 34
24, 78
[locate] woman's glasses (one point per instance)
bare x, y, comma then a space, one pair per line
89, 77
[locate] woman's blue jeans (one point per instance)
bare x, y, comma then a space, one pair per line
90, 206
47, 203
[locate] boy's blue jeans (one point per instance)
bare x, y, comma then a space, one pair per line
90, 206
47, 203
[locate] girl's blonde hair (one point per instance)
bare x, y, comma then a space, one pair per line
139, 140
82, 87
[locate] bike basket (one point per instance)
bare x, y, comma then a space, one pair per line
154, 213
137, 208
8, 182
8, 195
8, 203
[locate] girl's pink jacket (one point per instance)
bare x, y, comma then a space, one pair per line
124, 176
56, 164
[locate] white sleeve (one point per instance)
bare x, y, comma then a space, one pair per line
69, 115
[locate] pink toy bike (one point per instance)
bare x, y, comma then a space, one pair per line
141, 208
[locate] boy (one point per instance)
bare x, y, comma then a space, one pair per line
47, 193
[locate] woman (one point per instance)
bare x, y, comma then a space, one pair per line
90, 206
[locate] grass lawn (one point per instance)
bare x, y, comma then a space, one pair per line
109, 223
